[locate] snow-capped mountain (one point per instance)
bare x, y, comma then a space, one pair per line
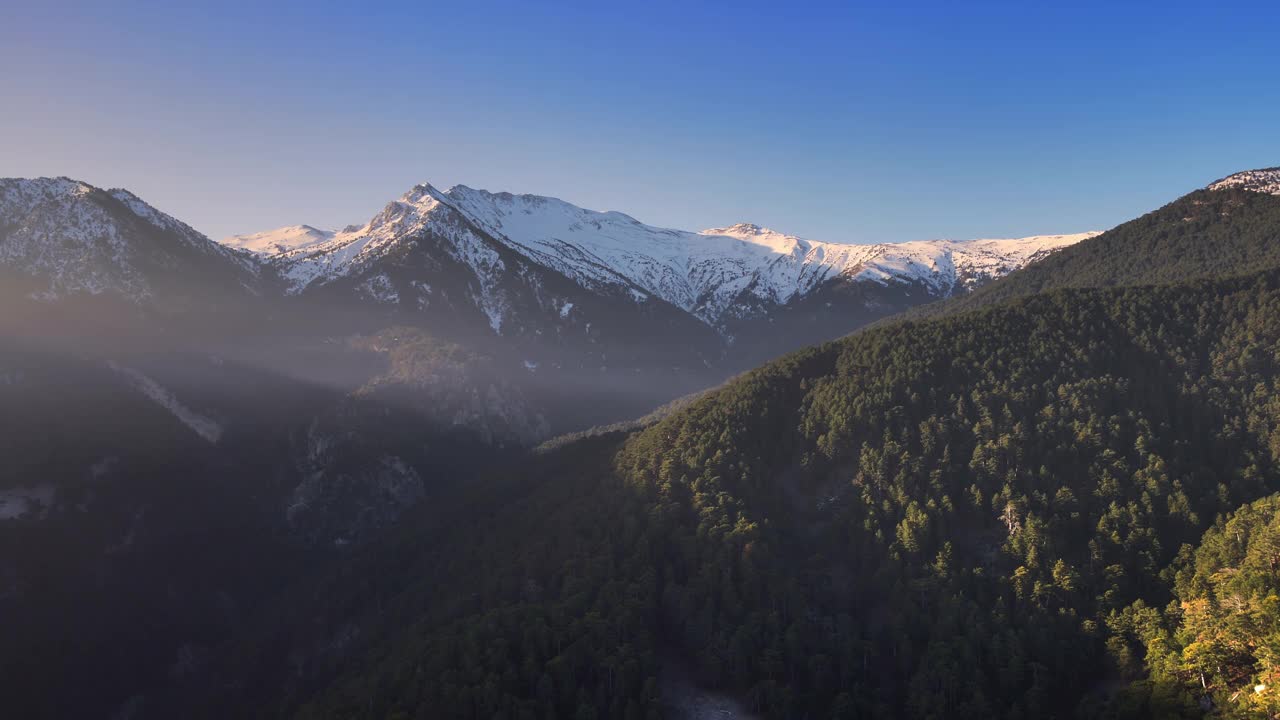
1266, 180
945, 267
716, 275
65, 237
624, 314
425, 260
525, 264
346, 253
271, 242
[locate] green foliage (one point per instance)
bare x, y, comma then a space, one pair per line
1220, 637
964, 501
536, 610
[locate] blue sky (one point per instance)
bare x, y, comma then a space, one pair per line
838, 121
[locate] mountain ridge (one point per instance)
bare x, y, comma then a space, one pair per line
1227, 227
706, 273
1263, 180
68, 236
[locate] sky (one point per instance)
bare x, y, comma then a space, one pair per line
839, 121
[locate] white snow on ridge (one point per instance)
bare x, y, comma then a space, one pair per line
273, 242
354, 248
709, 274
70, 233
1263, 181
946, 265
706, 273
76, 244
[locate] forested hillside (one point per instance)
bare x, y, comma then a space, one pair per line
934, 519
1208, 233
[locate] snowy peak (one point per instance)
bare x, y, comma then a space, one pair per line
88, 209
749, 231
756, 235
1266, 180
716, 275
356, 248
23, 194
72, 237
949, 266
280, 240
738, 230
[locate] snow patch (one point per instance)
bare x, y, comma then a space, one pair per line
285, 239
380, 289
1262, 181
707, 273
493, 312
201, 425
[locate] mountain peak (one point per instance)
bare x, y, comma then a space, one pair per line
422, 191
270, 242
32, 190
706, 274
738, 230
1265, 180
74, 237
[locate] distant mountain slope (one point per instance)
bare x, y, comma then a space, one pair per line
651, 313
601, 317
63, 237
712, 273
608, 315
1230, 227
280, 240
717, 275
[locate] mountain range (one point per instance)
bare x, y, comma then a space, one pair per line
72, 238
554, 290
715, 275
292, 469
